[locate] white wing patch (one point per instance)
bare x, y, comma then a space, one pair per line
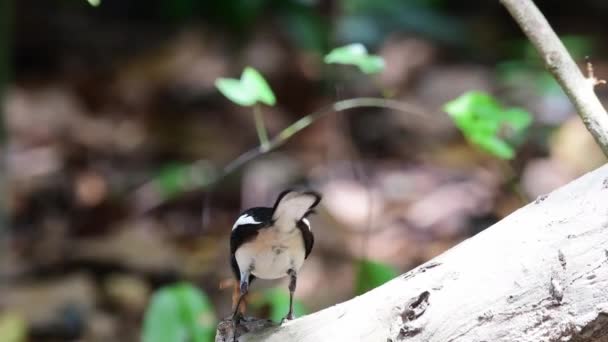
243, 220
307, 223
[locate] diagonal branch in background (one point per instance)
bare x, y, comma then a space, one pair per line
558, 61
146, 197
287, 133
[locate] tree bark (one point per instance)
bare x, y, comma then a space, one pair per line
579, 89
541, 274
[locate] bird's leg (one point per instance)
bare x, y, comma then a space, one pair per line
244, 288
292, 288
236, 315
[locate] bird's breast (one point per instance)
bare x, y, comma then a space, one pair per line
272, 253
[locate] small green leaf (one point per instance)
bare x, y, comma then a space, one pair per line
94, 3
485, 123
255, 82
277, 301
355, 54
179, 312
372, 65
250, 89
236, 92
495, 145
371, 274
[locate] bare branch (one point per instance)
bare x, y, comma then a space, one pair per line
558, 61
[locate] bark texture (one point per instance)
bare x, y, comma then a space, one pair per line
541, 274
579, 89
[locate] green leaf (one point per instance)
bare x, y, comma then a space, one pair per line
277, 301
250, 89
495, 145
371, 274
256, 84
355, 54
236, 92
485, 123
94, 3
179, 312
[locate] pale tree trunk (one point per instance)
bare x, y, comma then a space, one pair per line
541, 274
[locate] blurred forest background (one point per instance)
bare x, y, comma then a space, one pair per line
115, 138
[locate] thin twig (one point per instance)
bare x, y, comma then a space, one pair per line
307, 120
558, 61
281, 138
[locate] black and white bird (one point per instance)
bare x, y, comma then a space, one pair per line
271, 243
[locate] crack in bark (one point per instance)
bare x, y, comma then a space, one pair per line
421, 269
562, 258
414, 309
541, 198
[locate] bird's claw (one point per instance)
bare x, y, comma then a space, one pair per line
289, 317
236, 320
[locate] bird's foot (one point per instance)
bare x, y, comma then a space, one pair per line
236, 320
290, 317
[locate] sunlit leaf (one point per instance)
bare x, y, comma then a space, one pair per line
485, 123
371, 274
355, 54
179, 312
277, 300
494, 145
236, 92
256, 84
249, 90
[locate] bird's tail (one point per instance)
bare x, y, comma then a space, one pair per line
292, 206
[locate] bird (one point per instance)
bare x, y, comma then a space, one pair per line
272, 243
